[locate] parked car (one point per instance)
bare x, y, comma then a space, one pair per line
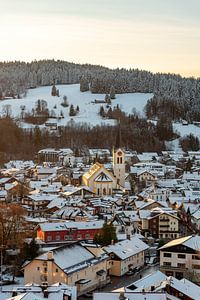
130, 272
153, 260
88, 295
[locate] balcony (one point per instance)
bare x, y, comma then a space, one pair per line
172, 268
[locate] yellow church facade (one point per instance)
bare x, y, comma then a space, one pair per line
99, 180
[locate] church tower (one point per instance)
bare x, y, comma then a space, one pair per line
119, 159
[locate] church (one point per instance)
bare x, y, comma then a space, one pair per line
102, 181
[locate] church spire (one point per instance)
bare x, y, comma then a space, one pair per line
118, 141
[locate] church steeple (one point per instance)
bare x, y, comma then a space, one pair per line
118, 142
119, 158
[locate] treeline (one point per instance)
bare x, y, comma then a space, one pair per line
174, 95
17, 143
190, 143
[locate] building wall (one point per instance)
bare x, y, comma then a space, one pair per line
121, 267
146, 177
103, 188
67, 235
168, 227
90, 181
176, 262
39, 271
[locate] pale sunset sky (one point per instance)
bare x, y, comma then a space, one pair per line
155, 35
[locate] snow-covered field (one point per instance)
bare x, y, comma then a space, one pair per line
88, 110
186, 129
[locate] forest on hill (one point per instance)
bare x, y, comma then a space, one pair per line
16, 143
175, 97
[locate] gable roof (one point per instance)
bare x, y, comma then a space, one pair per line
127, 248
73, 257
26, 296
146, 282
192, 242
185, 287
93, 169
67, 256
59, 226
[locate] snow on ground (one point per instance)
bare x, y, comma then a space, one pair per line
88, 110
184, 130
174, 146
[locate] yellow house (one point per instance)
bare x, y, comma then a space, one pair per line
72, 264
126, 255
99, 180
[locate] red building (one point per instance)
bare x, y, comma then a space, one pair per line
68, 231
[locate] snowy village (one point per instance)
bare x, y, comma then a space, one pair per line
100, 150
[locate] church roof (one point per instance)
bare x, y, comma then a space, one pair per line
96, 167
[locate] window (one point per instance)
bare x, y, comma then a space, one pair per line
49, 238
56, 270
79, 236
87, 236
166, 263
196, 267
167, 254
57, 237
181, 255
45, 269
179, 265
169, 273
38, 268
195, 257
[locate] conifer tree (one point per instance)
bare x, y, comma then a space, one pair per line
53, 90
107, 99
107, 235
84, 84
72, 111
102, 112
112, 92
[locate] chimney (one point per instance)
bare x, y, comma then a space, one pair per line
66, 297
128, 236
50, 255
121, 296
46, 294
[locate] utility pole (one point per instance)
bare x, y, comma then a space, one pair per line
1, 274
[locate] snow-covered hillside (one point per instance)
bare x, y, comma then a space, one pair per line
88, 110
184, 130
